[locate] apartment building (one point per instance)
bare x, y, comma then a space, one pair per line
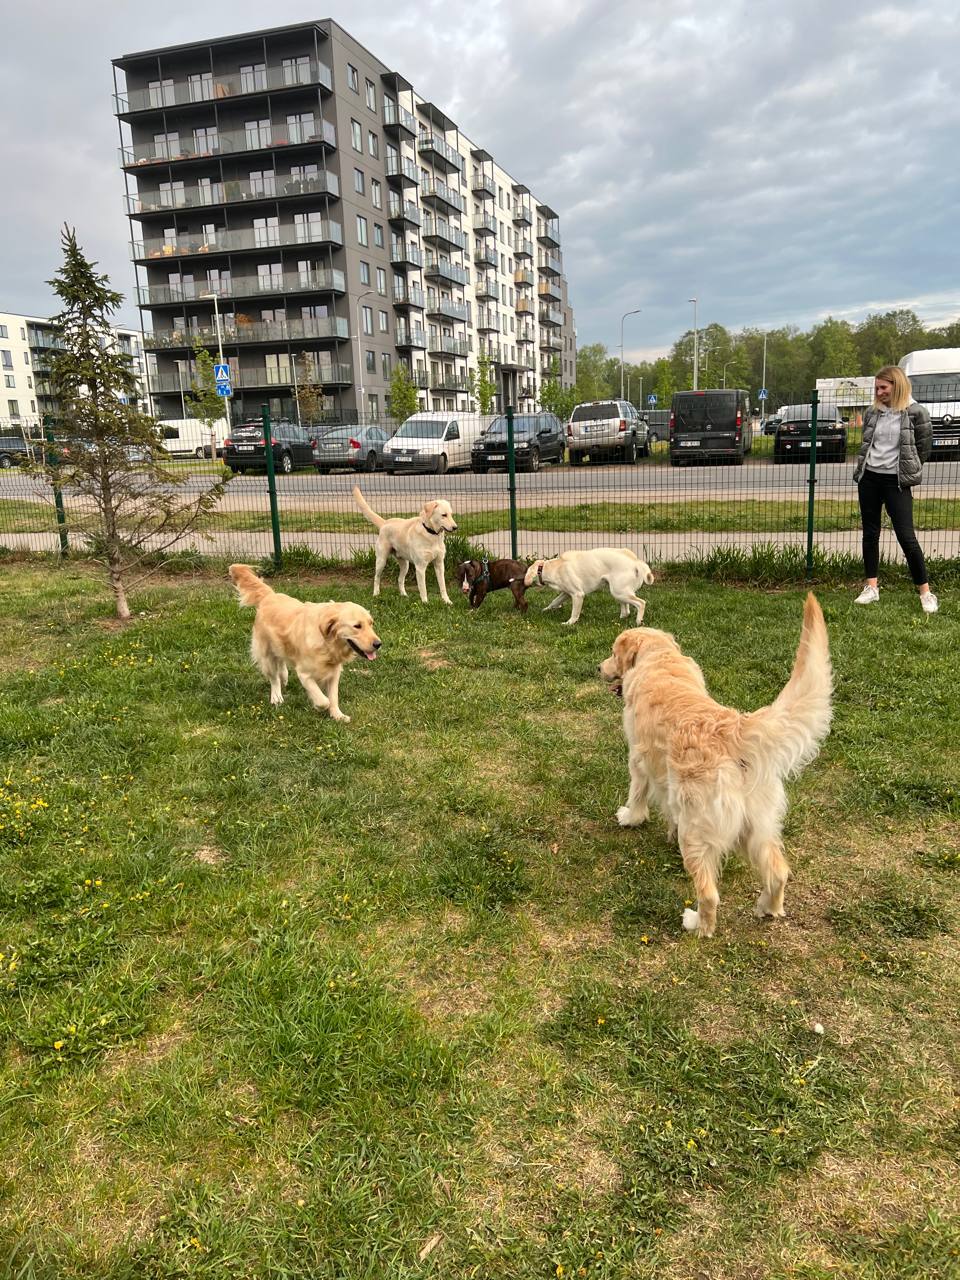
297, 206
25, 346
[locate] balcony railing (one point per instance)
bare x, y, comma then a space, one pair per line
439, 231
483, 186
319, 231
333, 328
233, 192
228, 142
526, 334
407, 336
492, 350
397, 117
402, 170
405, 255
436, 269
439, 193
333, 374
431, 144
524, 249
441, 345
487, 321
485, 257
550, 342
522, 215
550, 315
549, 264
484, 225
523, 278
210, 87
404, 212
448, 308
548, 233
486, 287
448, 380
158, 295
524, 306
547, 290
408, 297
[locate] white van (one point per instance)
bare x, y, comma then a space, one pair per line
437, 441
935, 377
190, 437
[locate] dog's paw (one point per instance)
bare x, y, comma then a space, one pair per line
693, 924
276, 699
627, 818
763, 910
339, 717
569, 623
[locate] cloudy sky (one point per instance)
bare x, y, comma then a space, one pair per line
779, 161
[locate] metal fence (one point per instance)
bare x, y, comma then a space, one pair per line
779, 488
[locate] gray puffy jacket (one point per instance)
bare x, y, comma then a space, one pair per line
916, 437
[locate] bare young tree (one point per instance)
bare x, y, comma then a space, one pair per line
107, 455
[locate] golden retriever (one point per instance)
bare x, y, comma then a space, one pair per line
315, 639
577, 573
717, 774
418, 541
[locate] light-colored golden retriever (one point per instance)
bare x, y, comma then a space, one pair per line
717, 774
577, 573
418, 541
315, 639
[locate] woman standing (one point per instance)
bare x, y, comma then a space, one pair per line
896, 443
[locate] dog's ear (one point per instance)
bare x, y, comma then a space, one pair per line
627, 647
647, 574
429, 508
330, 626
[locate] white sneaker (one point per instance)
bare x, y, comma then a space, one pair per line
870, 595
929, 602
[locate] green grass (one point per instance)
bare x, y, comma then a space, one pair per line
281, 997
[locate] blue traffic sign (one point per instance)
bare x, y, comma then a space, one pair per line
651, 399
221, 373
224, 389
762, 393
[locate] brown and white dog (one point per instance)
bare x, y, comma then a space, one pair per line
418, 541
717, 774
315, 639
477, 577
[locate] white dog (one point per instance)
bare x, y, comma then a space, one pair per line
577, 573
419, 540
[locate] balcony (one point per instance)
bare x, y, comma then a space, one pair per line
441, 345
448, 379
549, 264
420, 378
208, 87
486, 256
331, 328
320, 231
527, 391
551, 342
442, 197
483, 186
526, 360
493, 351
440, 152
408, 296
405, 255
549, 291
523, 278
524, 306
487, 321
402, 171
161, 295
484, 225
398, 119
524, 249
438, 231
403, 214
522, 215
232, 192
526, 334
551, 316
447, 309
410, 336
487, 288
548, 233
439, 269
328, 375
228, 142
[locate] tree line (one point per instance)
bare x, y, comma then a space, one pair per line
794, 359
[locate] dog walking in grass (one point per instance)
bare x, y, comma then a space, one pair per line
419, 541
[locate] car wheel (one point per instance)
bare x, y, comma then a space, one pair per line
286, 463
674, 462
371, 462
477, 469
6, 462
652, 438
199, 452
390, 471
535, 460
442, 465
576, 459
779, 458
322, 471
630, 453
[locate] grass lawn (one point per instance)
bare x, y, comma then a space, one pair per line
287, 998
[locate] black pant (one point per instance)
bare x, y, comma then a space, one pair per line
878, 490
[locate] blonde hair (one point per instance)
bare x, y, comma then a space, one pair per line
902, 390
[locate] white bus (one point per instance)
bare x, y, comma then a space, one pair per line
935, 378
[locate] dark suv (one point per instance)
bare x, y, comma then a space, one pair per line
537, 438
245, 450
710, 426
791, 442
13, 451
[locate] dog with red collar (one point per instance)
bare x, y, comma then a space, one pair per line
477, 577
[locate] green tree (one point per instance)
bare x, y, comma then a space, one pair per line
111, 459
833, 350
598, 375
554, 397
310, 395
202, 396
482, 384
403, 398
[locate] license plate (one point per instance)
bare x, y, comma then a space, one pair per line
496, 457
244, 448
947, 444
689, 444
404, 457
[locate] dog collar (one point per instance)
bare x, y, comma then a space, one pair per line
540, 574
484, 574
436, 532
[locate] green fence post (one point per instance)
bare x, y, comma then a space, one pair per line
272, 488
512, 473
812, 481
57, 492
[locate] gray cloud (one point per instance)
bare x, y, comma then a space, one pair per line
780, 166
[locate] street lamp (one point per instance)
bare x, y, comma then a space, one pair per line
183, 402
367, 293
725, 363
216, 313
696, 341
622, 318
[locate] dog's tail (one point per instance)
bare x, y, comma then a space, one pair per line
250, 588
367, 510
786, 735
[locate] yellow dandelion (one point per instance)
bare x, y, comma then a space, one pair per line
58, 1044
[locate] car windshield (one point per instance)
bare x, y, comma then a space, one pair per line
591, 412
422, 429
521, 427
935, 388
697, 409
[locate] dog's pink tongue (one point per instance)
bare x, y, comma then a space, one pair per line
371, 657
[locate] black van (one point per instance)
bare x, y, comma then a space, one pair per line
710, 426
658, 424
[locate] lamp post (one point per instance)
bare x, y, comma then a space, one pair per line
183, 401
696, 341
216, 313
622, 318
763, 375
725, 363
367, 293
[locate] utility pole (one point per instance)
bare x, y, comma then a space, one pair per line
696, 343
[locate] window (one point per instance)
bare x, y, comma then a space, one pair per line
362, 230
6, 359
378, 235
266, 231
161, 92
270, 277
200, 85
381, 282
371, 94
353, 78
302, 126
253, 77
373, 144
364, 272
9, 380
308, 226
33, 406
262, 182
373, 406
13, 408
370, 358
296, 70
356, 135
3, 331
166, 145
256, 133
376, 193
385, 365
384, 322
359, 181
367, 313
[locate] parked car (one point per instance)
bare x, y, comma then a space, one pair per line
437, 441
610, 429
658, 424
245, 449
537, 438
710, 426
354, 447
791, 442
768, 426
13, 451
191, 437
